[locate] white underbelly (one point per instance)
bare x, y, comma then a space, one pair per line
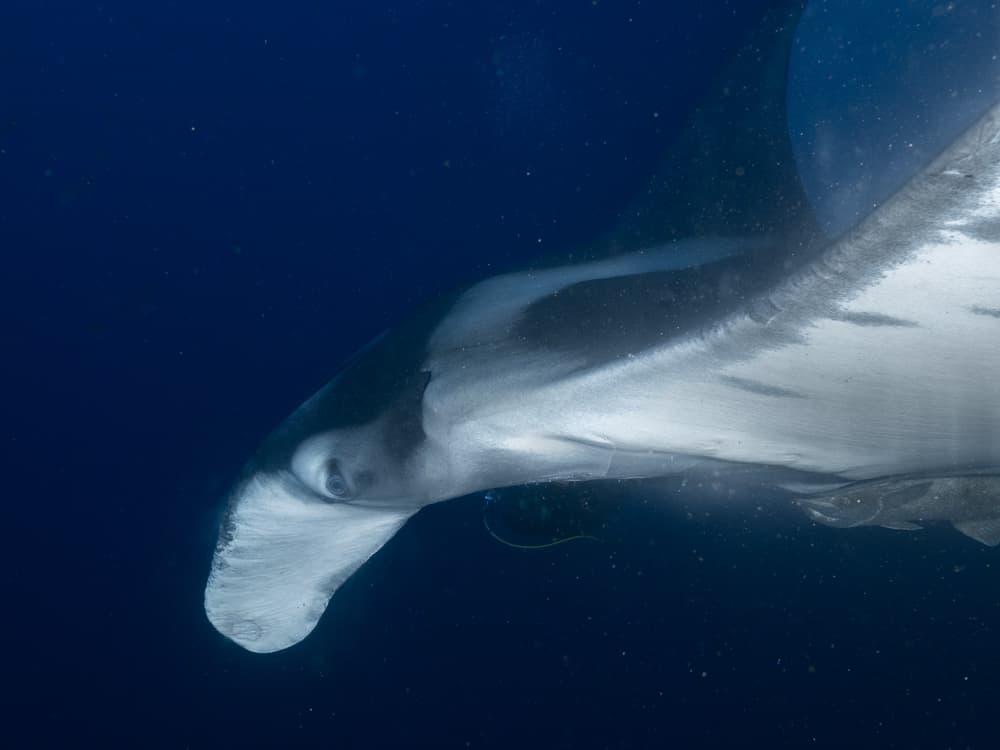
856, 400
860, 400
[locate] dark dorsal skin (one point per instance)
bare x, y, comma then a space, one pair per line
605, 319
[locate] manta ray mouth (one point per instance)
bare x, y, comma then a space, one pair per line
817, 515
831, 513
281, 556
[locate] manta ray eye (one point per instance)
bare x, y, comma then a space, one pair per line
335, 484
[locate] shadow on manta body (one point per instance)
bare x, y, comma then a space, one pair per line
867, 371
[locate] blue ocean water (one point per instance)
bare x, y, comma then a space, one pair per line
207, 207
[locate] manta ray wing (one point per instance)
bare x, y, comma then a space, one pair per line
873, 357
879, 357
279, 560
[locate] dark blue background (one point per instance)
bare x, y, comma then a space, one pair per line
205, 208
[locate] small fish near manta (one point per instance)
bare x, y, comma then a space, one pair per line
864, 378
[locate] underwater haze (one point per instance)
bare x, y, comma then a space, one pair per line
210, 208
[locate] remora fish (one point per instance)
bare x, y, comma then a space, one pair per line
869, 369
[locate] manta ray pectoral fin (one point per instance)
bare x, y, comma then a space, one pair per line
280, 558
986, 531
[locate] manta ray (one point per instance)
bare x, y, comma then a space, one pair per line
716, 330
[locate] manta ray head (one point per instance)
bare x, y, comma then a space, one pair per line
323, 494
